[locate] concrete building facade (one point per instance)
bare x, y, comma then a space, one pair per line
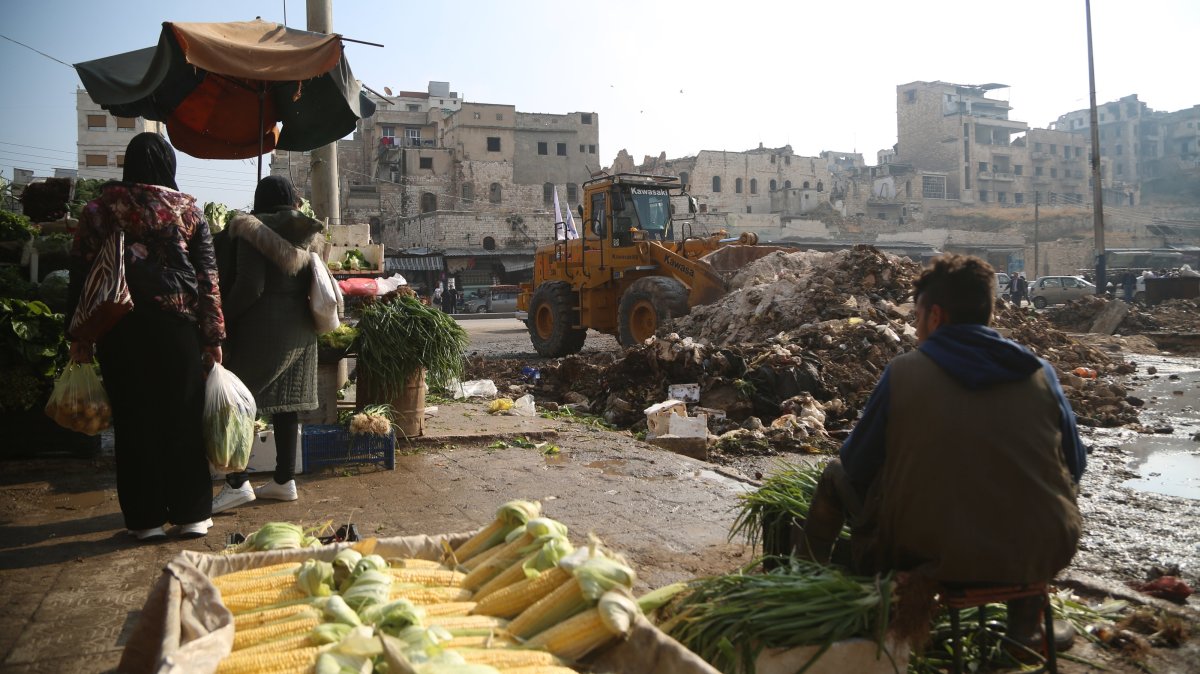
102, 138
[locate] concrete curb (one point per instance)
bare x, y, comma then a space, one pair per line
476, 317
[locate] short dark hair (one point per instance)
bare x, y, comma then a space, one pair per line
962, 285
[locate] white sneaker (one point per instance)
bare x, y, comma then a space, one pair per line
277, 492
231, 497
149, 535
195, 529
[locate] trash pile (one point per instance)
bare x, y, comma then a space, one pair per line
787, 360
1174, 315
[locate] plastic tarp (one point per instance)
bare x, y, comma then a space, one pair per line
184, 627
222, 88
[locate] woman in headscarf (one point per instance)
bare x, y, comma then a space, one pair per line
151, 359
272, 344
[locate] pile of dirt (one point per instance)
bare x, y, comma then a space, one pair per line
1176, 315
806, 325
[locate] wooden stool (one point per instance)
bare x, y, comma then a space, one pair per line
957, 597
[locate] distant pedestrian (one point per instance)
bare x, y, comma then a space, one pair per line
449, 299
1022, 289
1014, 290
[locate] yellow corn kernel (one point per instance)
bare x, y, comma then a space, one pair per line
285, 644
270, 661
262, 633
501, 658
505, 551
510, 601
250, 601
258, 584
480, 641
260, 572
245, 621
422, 596
431, 577
450, 608
414, 563
562, 603
539, 669
466, 622
574, 637
515, 573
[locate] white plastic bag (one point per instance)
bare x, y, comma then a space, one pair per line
524, 407
476, 388
229, 411
384, 286
325, 297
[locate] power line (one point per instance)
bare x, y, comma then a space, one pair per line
74, 156
38, 51
10, 155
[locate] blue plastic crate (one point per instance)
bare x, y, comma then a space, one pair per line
333, 445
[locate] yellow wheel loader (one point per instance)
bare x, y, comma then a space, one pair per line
629, 270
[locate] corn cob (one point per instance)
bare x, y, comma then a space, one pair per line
250, 601
479, 641
245, 621
413, 563
262, 633
508, 657
286, 644
564, 602
260, 572
452, 608
467, 622
508, 517
423, 596
515, 573
509, 602
433, 577
539, 669
258, 584
613, 616
301, 659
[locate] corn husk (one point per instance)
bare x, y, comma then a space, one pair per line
394, 617
372, 587
343, 565
602, 574
337, 610
277, 536
316, 578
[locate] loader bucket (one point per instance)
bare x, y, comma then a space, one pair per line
728, 260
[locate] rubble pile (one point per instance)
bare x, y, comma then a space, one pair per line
1175, 315
788, 359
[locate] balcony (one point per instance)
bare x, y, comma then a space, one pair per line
1039, 155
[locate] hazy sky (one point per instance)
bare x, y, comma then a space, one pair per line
672, 76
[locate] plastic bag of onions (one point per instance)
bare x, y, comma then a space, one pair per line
78, 401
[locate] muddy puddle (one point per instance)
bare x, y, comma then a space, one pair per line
1167, 462
1169, 466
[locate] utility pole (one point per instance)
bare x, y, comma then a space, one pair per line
1097, 186
1037, 200
326, 201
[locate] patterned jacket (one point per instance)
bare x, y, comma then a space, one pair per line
169, 260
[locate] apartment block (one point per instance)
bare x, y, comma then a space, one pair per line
102, 138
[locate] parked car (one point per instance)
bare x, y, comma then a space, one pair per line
1049, 290
497, 299
1002, 281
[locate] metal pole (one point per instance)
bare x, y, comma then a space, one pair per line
1037, 200
1097, 186
326, 202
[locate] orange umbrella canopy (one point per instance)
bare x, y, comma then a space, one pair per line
234, 90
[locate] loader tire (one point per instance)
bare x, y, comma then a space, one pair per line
647, 305
552, 317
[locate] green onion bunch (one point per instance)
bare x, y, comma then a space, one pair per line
767, 513
398, 336
729, 620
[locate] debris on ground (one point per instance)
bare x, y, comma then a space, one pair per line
1174, 315
792, 353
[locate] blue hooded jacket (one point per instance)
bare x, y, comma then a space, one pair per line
977, 357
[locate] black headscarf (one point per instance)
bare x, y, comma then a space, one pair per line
150, 160
274, 193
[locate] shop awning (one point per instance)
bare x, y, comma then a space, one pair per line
514, 263
422, 263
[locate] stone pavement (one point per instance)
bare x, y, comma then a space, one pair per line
72, 581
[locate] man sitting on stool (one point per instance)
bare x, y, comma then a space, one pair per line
936, 479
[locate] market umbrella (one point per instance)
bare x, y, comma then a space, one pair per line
234, 90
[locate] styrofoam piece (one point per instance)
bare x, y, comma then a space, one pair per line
688, 393
658, 416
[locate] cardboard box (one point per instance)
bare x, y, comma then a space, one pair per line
373, 253
688, 393
350, 235
262, 457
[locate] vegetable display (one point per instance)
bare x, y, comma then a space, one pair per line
342, 615
354, 260
728, 620
766, 514
33, 350
398, 336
